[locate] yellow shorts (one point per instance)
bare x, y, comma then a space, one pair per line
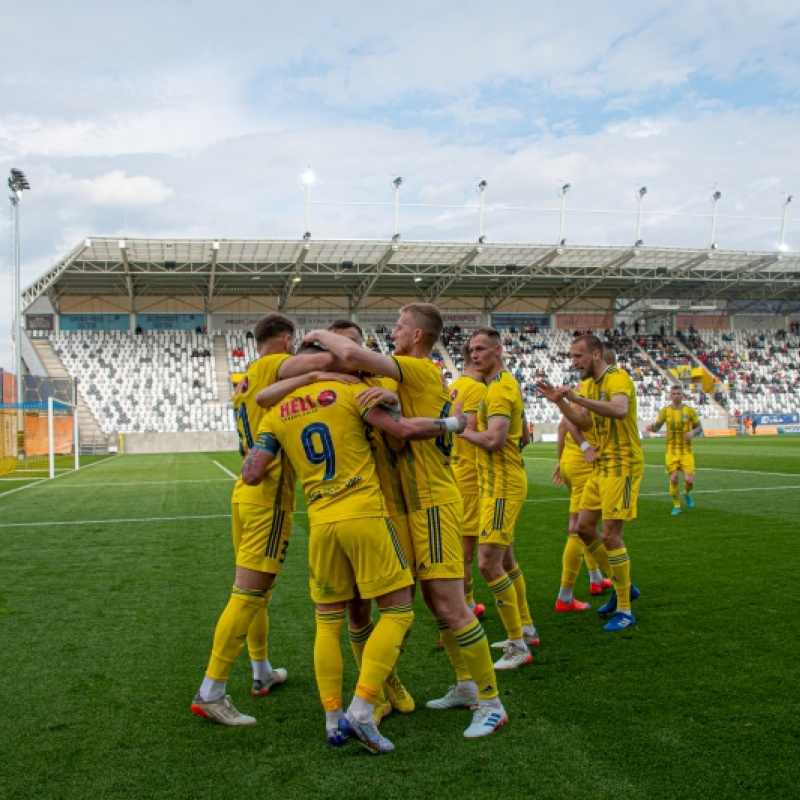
498, 520
683, 462
614, 497
471, 525
400, 525
260, 536
575, 473
436, 534
363, 552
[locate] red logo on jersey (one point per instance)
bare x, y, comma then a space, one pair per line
326, 398
454, 394
297, 405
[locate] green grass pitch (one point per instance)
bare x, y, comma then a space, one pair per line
112, 579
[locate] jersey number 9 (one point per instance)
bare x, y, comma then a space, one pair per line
319, 451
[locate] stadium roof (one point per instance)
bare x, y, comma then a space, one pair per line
356, 269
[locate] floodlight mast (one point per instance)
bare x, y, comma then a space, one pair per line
714, 199
786, 202
18, 183
640, 194
481, 205
563, 194
397, 183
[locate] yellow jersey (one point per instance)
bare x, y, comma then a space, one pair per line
619, 449
277, 489
469, 393
319, 427
425, 467
680, 421
502, 472
387, 462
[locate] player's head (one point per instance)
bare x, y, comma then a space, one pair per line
420, 324
609, 354
486, 350
348, 329
586, 354
275, 333
676, 394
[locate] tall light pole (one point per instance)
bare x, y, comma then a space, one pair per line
397, 183
783, 220
18, 183
307, 178
714, 199
640, 194
563, 193
481, 191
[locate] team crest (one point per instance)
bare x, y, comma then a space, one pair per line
326, 398
454, 394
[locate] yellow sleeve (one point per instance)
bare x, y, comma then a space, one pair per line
413, 373
499, 401
662, 417
693, 418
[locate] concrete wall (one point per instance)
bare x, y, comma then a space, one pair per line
179, 442
711, 424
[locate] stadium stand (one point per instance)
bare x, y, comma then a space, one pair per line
159, 382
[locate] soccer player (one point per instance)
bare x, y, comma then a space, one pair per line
469, 390
576, 456
683, 425
352, 543
606, 401
435, 508
503, 488
261, 524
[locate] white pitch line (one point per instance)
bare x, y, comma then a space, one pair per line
45, 480
661, 494
226, 470
699, 469
112, 521
126, 484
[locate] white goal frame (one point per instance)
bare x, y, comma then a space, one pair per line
76, 444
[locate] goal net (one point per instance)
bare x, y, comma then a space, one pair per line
38, 439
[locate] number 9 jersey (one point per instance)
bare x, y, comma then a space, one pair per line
320, 428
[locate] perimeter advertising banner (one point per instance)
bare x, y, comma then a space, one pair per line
775, 419
95, 322
170, 322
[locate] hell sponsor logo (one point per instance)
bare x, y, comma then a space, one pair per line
306, 403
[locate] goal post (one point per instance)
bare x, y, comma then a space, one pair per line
38, 439
57, 442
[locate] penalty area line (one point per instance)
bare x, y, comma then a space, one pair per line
225, 470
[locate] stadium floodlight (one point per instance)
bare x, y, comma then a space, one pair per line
18, 183
782, 245
640, 194
417, 279
714, 199
397, 183
563, 194
481, 205
307, 178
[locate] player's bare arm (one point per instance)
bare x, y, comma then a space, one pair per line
493, 438
695, 431
376, 395
615, 408
559, 395
352, 356
415, 428
255, 465
308, 362
273, 394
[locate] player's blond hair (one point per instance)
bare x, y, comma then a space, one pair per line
427, 318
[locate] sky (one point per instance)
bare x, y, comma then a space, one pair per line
197, 119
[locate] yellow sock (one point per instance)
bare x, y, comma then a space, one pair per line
258, 632
453, 651
358, 640
571, 561
591, 562
505, 598
621, 573
687, 488
328, 665
232, 630
598, 550
475, 652
518, 579
675, 491
468, 593
383, 649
